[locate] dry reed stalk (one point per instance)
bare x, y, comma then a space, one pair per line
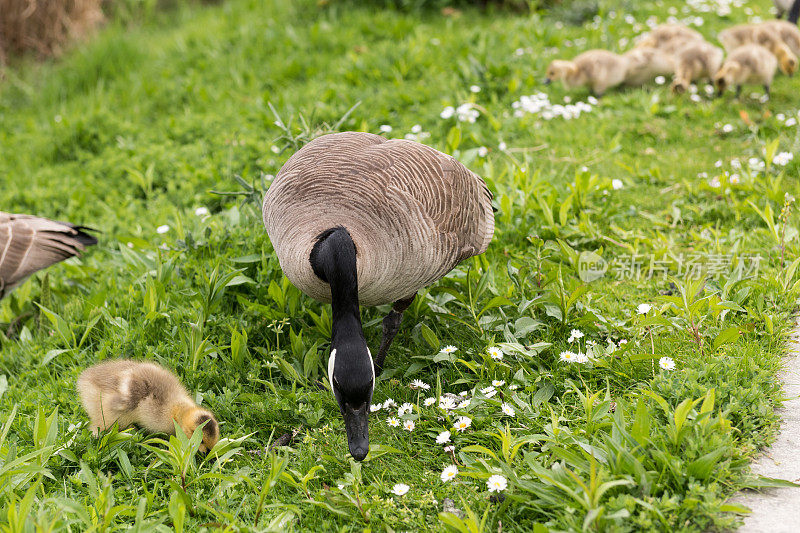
44, 27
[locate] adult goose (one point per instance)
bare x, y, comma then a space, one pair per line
29, 243
358, 219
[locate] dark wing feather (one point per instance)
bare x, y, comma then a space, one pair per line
29, 244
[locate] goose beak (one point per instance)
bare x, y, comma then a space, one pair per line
357, 426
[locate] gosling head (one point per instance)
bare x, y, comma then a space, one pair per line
191, 419
679, 86
724, 78
352, 377
559, 70
789, 65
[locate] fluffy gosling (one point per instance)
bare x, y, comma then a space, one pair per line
694, 61
737, 36
599, 70
668, 37
145, 394
751, 63
644, 64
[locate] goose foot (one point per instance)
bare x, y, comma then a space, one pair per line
391, 325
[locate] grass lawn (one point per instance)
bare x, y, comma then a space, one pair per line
148, 122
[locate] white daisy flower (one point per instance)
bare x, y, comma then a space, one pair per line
385, 128
448, 112
513, 386
660, 80
162, 229
498, 383
568, 357
443, 437
419, 384
409, 425
464, 393
375, 407
446, 403
581, 358
507, 410
727, 128
449, 349
502, 146
666, 363
405, 409
449, 473
416, 128
474, 89
495, 353
429, 401
201, 211
463, 405
783, 158
617, 184
393, 422
389, 403
449, 449
497, 483
400, 489
489, 391
643, 309
463, 423
574, 335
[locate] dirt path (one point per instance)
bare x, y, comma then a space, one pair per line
778, 510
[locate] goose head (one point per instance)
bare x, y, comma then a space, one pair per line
352, 379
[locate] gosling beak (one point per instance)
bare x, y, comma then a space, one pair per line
357, 426
548, 81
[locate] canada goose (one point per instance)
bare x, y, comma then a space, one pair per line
695, 60
736, 36
668, 37
598, 69
146, 394
790, 7
644, 64
787, 32
751, 63
29, 243
356, 219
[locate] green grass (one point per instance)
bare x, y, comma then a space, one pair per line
135, 130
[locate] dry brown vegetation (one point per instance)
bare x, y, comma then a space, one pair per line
44, 27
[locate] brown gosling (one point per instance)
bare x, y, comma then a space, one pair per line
148, 395
787, 32
668, 37
599, 70
694, 61
751, 63
645, 64
737, 36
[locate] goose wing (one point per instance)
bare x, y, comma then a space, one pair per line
456, 200
29, 243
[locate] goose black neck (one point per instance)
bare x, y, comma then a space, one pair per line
333, 259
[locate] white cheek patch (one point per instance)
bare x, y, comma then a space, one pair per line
372, 367
331, 362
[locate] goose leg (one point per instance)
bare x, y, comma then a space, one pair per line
391, 324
